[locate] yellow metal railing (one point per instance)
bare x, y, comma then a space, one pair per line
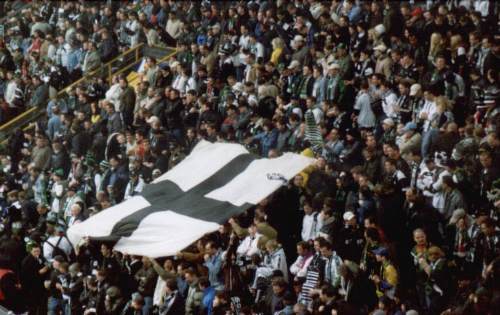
24, 120
130, 57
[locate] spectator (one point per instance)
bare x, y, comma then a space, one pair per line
396, 101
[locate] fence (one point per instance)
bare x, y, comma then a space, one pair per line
118, 65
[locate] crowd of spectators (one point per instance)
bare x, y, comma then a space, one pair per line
398, 102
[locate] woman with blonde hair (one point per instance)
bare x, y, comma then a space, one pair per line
436, 47
278, 45
458, 54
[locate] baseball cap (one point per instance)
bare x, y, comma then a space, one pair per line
380, 47
410, 126
414, 89
388, 121
152, 119
333, 66
381, 251
294, 64
298, 38
348, 216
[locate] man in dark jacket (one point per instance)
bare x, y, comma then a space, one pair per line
40, 95
173, 303
33, 272
114, 121
108, 48
172, 113
127, 101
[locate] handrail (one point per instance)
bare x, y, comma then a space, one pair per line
108, 66
14, 120
37, 111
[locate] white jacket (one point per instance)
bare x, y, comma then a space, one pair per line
299, 267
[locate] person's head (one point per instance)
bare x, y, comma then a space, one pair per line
170, 286
381, 254
434, 253
123, 82
303, 248
326, 248
440, 62
420, 237
327, 293
278, 285
485, 158
372, 235
74, 270
390, 166
349, 219
448, 183
190, 276
211, 248
252, 229
488, 227
271, 246
35, 250
105, 250
75, 210
109, 107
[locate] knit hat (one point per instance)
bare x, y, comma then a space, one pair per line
90, 159
457, 215
381, 251
104, 164
59, 172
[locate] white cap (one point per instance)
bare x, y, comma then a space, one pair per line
174, 64
380, 29
152, 119
388, 121
414, 89
380, 47
298, 38
333, 66
238, 87
348, 216
294, 64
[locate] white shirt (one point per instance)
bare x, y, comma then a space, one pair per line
64, 245
173, 27
180, 83
309, 226
248, 246
429, 108
113, 95
438, 198
10, 92
131, 191
389, 100
299, 267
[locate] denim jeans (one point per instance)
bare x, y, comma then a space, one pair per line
148, 305
428, 139
55, 306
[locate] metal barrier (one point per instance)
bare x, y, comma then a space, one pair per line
118, 65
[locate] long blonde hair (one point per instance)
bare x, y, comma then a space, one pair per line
277, 42
442, 102
455, 42
436, 44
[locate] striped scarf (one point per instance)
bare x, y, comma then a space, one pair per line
312, 133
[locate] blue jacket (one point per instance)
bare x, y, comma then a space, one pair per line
54, 126
214, 265
268, 141
208, 298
